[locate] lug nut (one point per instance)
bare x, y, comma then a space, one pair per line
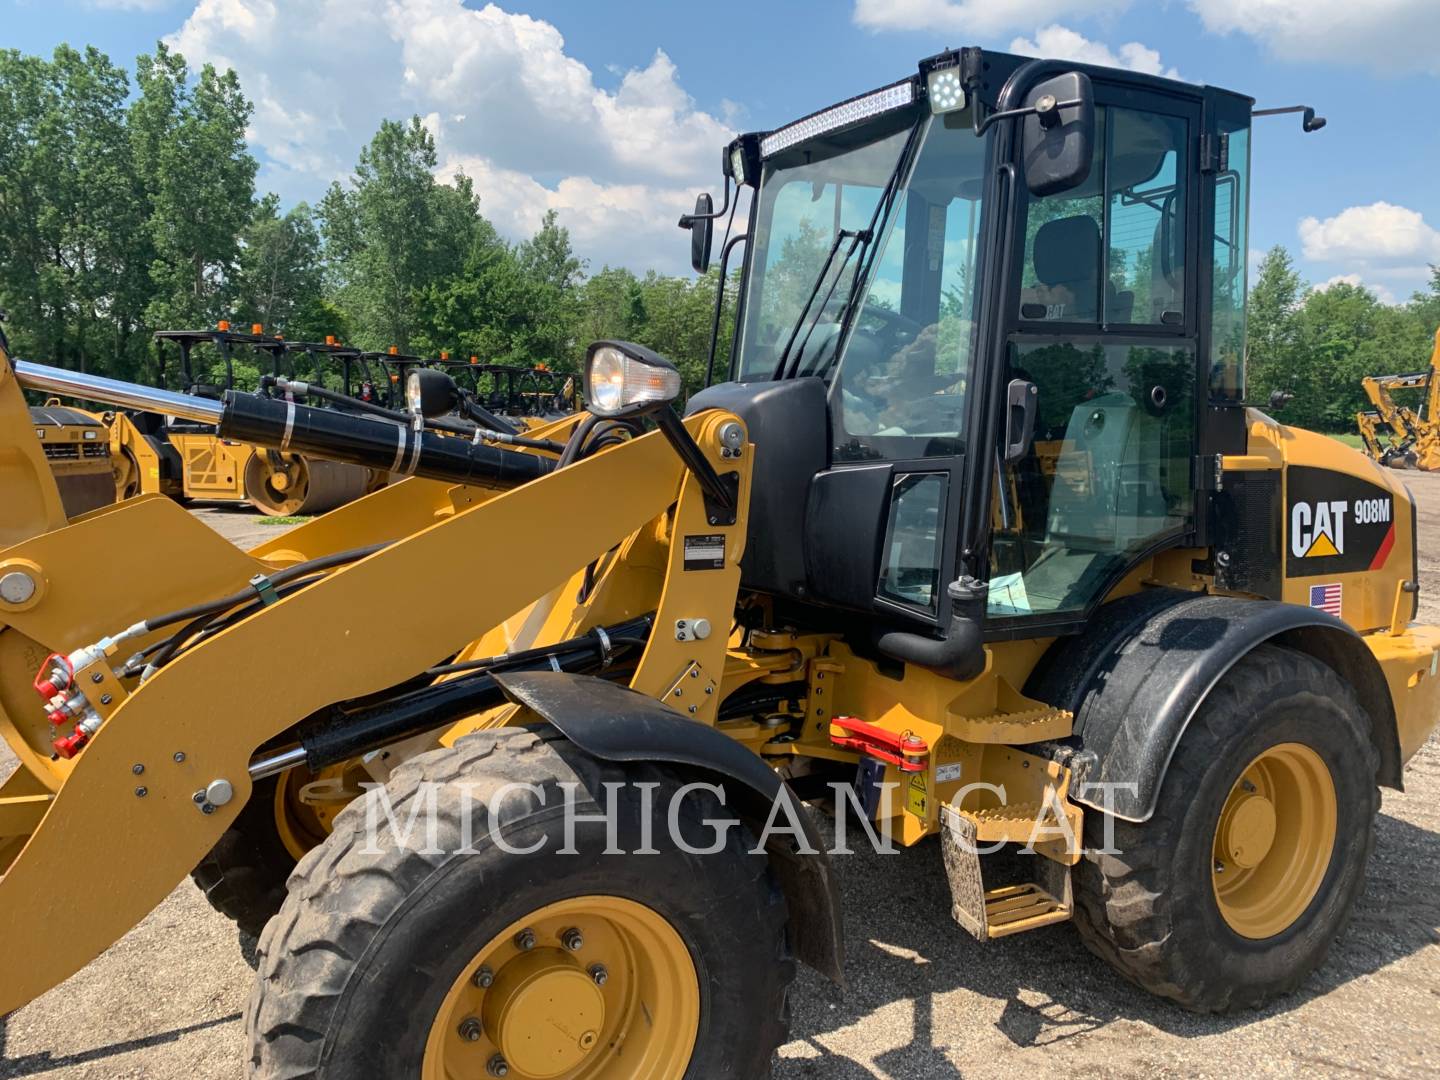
141, 792
525, 940
96, 677
137, 769
179, 756
599, 974
498, 1066
470, 1029
483, 979
572, 940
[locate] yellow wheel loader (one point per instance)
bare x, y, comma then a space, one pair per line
979, 546
1397, 435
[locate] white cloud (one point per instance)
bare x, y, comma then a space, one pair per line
1381, 292
1390, 35
1378, 233
1062, 43
501, 95
975, 18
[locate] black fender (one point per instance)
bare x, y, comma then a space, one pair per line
614, 723
1145, 664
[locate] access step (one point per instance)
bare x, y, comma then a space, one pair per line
999, 910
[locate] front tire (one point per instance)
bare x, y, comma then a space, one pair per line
373, 966
1232, 893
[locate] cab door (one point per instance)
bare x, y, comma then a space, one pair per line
1103, 323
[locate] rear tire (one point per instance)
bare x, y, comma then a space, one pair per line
243, 877
1152, 909
359, 972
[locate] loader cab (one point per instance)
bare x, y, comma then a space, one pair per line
392, 366
1020, 380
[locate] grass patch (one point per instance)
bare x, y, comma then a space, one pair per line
287, 519
1350, 439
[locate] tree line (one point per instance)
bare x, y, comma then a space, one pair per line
127, 208
1318, 343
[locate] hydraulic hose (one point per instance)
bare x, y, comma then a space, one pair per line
338, 734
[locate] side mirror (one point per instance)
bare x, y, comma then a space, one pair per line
430, 393
1059, 135
702, 233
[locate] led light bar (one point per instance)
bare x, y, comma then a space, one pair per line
838, 116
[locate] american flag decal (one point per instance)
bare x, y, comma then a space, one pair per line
1326, 598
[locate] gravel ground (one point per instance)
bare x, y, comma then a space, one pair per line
923, 1000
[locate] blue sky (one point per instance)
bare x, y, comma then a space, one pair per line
613, 113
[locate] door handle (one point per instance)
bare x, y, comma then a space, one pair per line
1020, 401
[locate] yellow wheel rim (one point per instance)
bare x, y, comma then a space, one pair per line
304, 823
593, 988
1274, 840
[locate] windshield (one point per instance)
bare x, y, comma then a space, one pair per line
898, 381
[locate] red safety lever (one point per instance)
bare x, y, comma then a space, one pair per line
906, 751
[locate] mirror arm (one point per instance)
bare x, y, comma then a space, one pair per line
1309, 121
1029, 110
688, 221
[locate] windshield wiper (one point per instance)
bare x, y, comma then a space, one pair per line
856, 237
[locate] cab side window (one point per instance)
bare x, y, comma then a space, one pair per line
1112, 251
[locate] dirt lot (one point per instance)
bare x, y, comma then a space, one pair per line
924, 1000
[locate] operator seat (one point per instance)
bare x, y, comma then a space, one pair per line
1067, 259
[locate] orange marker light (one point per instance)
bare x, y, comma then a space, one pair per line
329, 339
223, 325
394, 378
474, 359
394, 350
444, 355
256, 329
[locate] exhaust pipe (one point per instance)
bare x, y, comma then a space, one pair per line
372, 442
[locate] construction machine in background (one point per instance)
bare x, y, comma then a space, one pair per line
77, 445
1398, 435
979, 542
187, 460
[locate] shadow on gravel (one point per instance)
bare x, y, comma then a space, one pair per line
1045, 987
44, 1062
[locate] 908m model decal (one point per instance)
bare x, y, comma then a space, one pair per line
1335, 523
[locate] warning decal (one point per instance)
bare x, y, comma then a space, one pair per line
705, 552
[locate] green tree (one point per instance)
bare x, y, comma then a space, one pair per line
73, 266
188, 142
279, 283
394, 233
1273, 326
551, 273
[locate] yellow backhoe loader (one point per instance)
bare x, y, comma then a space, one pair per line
1395, 434
1149, 678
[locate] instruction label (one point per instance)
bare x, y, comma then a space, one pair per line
705, 552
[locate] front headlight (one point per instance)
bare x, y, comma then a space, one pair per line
623, 378
413, 395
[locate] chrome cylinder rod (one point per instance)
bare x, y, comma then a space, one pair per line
124, 395
277, 762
